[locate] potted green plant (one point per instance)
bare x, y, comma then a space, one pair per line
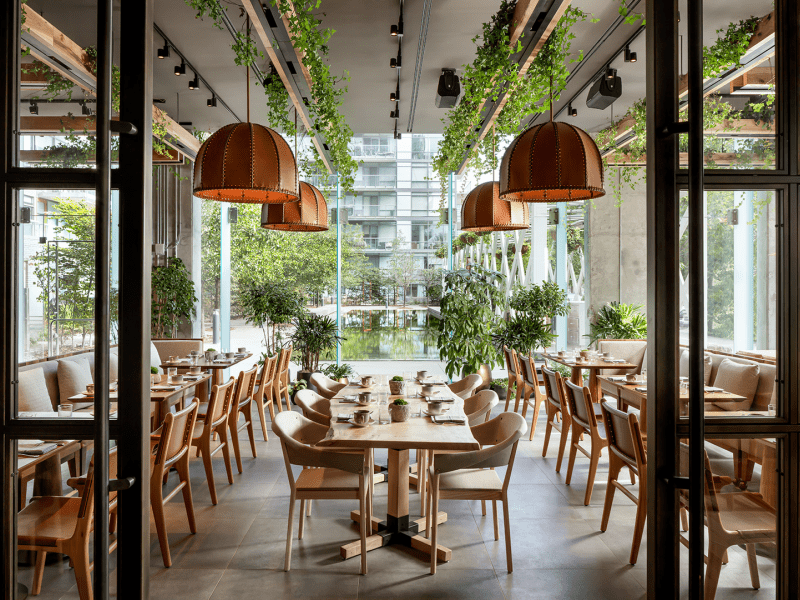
340, 373
313, 335
269, 307
210, 354
397, 386
296, 386
400, 410
500, 387
154, 376
173, 298
618, 321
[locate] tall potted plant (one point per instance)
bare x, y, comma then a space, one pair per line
618, 321
268, 307
470, 307
312, 336
173, 298
530, 329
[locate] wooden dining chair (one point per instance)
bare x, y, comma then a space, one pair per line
584, 416
625, 448
326, 386
64, 525
465, 387
557, 409
262, 394
338, 475
532, 394
471, 475
514, 377
216, 422
172, 442
280, 382
477, 409
738, 518
242, 405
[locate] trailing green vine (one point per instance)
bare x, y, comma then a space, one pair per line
631, 18
493, 72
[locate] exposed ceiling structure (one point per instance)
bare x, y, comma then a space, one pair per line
363, 47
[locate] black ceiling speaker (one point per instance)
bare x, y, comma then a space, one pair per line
604, 92
448, 90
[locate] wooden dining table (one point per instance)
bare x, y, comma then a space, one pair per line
398, 439
594, 365
635, 394
44, 469
216, 367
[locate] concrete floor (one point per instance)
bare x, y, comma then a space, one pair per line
558, 550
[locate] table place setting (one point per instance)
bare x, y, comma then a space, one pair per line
35, 447
449, 419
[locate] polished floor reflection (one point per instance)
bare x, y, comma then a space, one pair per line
558, 549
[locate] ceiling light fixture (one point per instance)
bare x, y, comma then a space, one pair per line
629, 56
34, 108
394, 114
309, 213
572, 112
212, 102
396, 63
246, 162
85, 110
193, 83
610, 73
164, 52
484, 210
180, 69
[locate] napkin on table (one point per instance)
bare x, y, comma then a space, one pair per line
440, 419
35, 447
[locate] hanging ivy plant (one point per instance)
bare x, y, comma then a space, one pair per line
631, 18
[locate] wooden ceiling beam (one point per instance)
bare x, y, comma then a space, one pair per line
68, 59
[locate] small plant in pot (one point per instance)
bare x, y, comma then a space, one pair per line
210, 354
313, 335
500, 387
296, 386
340, 373
400, 410
154, 376
397, 386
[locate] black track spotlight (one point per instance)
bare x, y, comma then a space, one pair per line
393, 97
572, 112
397, 30
611, 73
629, 56
395, 63
164, 52
393, 31
212, 102
394, 114
85, 110
34, 108
193, 83
180, 69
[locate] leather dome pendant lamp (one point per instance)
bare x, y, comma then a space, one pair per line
551, 162
310, 213
247, 163
484, 210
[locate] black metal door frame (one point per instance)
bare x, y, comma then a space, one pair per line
132, 179
664, 183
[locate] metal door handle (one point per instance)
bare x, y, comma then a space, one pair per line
118, 485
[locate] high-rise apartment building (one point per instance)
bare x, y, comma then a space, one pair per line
397, 199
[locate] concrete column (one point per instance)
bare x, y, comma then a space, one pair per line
561, 271
632, 241
188, 243
603, 259
225, 276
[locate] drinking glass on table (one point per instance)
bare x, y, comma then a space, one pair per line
65, 410
383, 400
171, 372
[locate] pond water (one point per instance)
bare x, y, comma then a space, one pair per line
389, 334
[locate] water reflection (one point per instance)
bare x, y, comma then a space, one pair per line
392, 334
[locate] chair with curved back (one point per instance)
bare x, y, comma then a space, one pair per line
64, 525
584, 417
173, 441
486, 377
471, 475
216, 421
625, 448
532, 394
338, 475
556, 406
315, 407
242, 405
326, 386
465, 387
262, 394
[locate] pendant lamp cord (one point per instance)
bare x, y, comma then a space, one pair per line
248, 71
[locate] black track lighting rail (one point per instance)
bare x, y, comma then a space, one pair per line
396, 63
190, 67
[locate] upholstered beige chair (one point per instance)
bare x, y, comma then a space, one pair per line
466, 387
216, 422
625, 449
585, 415
64, 525
314, 406
172, 442
338, 475
471, 475
326, 386
556, 407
